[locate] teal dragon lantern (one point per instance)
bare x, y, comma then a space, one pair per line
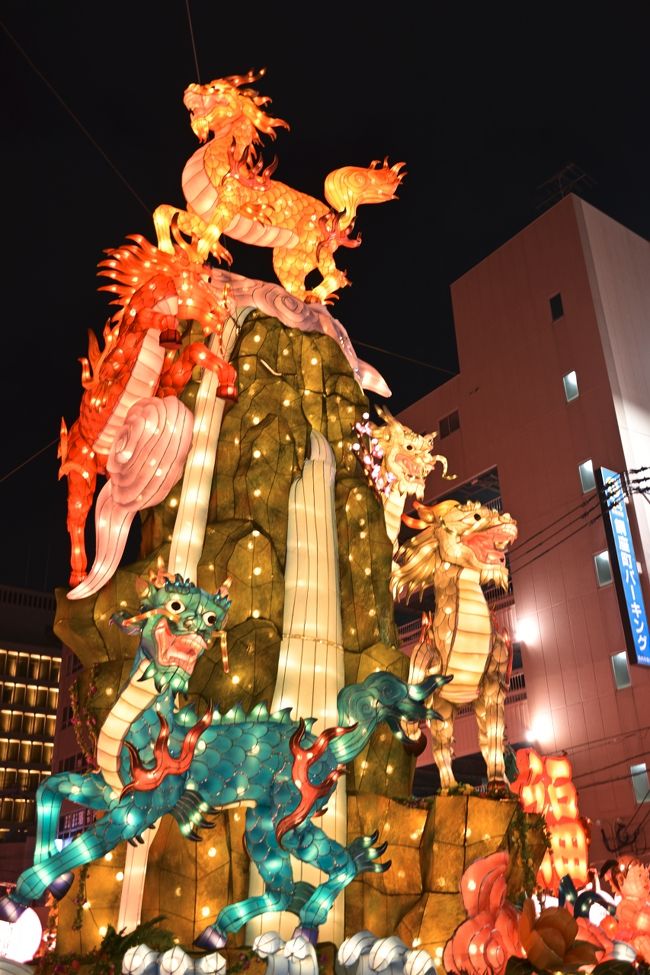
155, 758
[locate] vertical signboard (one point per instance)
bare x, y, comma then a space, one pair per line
623, 563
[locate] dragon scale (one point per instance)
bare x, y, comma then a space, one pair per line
459, 549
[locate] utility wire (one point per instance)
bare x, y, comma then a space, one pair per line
606, 768
583, 503
593, 504
608, 738
541, 555
196, 60
23, 464
78, 121
406, 358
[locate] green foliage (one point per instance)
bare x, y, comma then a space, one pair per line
519, 846
106, 959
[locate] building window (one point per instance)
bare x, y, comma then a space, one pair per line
557, 308
587, 479
621, 668
448, 424
603, 568
640, 782
571, 390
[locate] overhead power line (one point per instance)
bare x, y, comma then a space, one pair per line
76, 119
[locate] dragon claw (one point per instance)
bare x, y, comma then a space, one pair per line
61, 885
211, 938
10, 911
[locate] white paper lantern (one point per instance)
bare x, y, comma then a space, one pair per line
301, 957
212, 964
140, 960
419, 962
270, 947
387, 955
20, 940
352, 956
175, 962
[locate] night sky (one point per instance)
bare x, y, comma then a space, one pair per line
484, 104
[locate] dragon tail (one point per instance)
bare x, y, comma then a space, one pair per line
382, 697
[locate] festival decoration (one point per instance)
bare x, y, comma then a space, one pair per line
631, 923
311, 670
397, 462
550, 940
460, 548
275, 302
365, 954
490, 935
201, 763
229, 192
544, 786
19, 941
144, 462
143, 356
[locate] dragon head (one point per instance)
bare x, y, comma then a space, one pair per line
407, 456
467, 536
218, 106
177, 622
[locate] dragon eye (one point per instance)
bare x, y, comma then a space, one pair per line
175, 606
477, 517
409, 446
209, 619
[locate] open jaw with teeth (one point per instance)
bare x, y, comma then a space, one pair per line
489, 546
177, 649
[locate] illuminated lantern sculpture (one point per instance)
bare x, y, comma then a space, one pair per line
544, 786
229, 192
631, 925
20, 941
155, 758
460, 548
144, 462
397, 461
143, 356
490, 935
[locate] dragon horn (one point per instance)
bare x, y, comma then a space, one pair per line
237, 80
62, 452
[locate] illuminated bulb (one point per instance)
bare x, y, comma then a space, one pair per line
255, 614
178, 891
119, 876
205, 911
256, 420
471, 885
86, 905
256, 338
236, 678
257, 454
108, 857
109, 692
257, 570
173, 502
286, 402
246, 367
103, 930
314, 361
367, 570
256, 493
212, 852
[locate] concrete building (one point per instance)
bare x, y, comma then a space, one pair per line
553, 334
30, 659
